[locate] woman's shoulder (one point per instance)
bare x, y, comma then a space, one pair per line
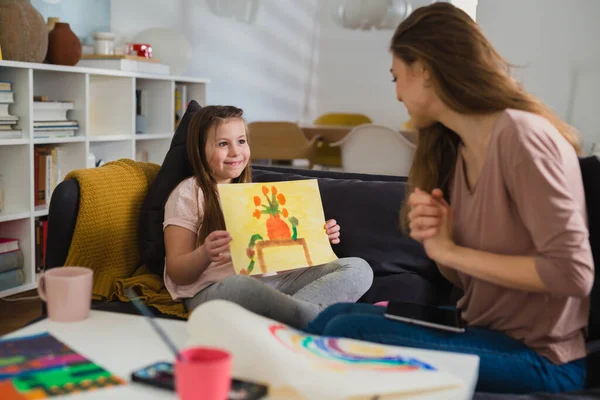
526, 134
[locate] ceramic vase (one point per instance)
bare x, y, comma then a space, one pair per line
23, 31
64, 47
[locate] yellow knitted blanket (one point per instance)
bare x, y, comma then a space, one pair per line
106, 233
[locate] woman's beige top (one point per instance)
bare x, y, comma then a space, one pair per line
528, 200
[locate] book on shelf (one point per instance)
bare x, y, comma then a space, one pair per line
180, 102
7, 97
51, 110
5, 86
53, 133
10, 133
47, 172
11, 260
4, 109
41, 238
55, 125
8, 244
11, 279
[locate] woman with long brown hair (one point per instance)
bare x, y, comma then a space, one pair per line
198, 264
496, 198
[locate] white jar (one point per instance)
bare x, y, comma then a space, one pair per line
104, 43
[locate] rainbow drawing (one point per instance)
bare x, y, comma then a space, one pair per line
345, 353
40, 366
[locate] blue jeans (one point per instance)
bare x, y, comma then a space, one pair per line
505, 364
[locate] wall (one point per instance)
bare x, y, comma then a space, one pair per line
263, 67
555, 43
353, 72
84, 16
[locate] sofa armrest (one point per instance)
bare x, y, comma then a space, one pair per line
62, 216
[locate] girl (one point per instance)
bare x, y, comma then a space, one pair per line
198, 264
515, 239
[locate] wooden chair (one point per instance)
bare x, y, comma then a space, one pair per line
281, 141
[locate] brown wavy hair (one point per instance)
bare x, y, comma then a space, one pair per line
469, 77
198, 134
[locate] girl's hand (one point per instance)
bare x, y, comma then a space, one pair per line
216, 245
333, 231
431, 223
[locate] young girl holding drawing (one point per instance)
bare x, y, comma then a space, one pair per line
198, 263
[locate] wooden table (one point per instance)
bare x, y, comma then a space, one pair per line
334, 133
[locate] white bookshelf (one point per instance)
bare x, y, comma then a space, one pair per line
105, 107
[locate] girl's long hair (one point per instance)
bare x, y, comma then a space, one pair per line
203, 122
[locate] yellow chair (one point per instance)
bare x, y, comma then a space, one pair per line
351, 119
281, 141
332, 156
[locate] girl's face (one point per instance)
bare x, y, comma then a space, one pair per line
227, 150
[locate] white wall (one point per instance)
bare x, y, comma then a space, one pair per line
552, 39
263, 68
556, 43
353, 72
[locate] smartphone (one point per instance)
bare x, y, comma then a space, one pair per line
161, 375
432, 317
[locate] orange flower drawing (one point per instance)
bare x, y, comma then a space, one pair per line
281, 199
279, 224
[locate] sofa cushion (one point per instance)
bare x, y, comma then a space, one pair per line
368, 214
174, 169
590, 171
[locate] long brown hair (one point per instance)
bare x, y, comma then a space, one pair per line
198, 134
469, 77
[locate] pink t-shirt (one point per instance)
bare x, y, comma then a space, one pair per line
528, 200
185, 208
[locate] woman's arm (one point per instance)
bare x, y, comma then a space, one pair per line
185, 261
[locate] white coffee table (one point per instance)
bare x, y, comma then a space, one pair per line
122, 343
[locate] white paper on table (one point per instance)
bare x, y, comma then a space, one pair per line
316, 367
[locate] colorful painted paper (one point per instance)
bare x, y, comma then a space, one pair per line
321, 367
275, 226
40, 366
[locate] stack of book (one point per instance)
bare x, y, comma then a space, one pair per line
50, 119
11, 264
7, 121
47, 172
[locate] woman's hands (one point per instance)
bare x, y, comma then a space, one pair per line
430, 222
216, 246
333, 231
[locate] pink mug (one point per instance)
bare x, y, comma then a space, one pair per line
203, 373
67, 292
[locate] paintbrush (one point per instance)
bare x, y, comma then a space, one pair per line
145, 311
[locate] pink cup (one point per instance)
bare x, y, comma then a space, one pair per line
67, 292
203, 373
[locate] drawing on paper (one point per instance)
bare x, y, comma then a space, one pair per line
275, 226
40, 366
339, 353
